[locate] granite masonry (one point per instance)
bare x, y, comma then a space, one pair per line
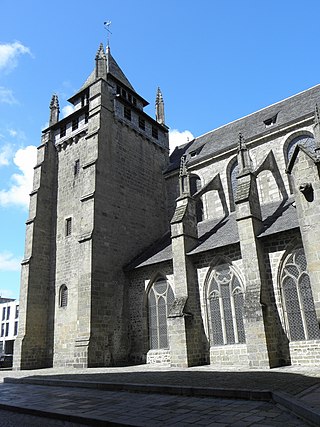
208, 256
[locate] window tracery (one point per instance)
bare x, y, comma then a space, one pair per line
225, 307
160, 298
297, 298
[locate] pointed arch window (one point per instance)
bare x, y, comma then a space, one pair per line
225, 301
160, 298
63, 296
307, 141
297, 298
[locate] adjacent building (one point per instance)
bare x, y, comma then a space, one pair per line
9, 314
211, 255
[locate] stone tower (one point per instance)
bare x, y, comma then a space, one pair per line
98, 199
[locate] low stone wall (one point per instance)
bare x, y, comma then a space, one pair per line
235, 354
305, 353
158, 356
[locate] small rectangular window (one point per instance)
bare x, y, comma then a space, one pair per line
7, 329
2, 329
68, 226
76, 167
154, 132
4, 313
15, 328
127, 113
17, 312
75, 123
86, 117
124, 93
8, 313
62, 131
142, 123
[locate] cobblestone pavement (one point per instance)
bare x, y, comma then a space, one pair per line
151, 409
140, 409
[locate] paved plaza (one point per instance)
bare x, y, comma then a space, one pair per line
148, 396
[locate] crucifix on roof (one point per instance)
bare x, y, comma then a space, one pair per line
107, 27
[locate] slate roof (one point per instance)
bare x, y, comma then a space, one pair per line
113, 70
216, 233
226, 137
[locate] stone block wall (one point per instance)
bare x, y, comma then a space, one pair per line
306, 353
229, 355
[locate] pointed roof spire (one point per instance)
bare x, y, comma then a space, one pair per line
54, 110
159, 107
244, 160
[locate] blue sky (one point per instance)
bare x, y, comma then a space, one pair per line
215, 61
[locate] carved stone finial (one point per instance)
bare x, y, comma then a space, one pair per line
244, 160
184, 177
54, 110
316, 115
159, 107
100, 53
101, 63
316, 130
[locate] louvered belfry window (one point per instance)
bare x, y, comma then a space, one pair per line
297, 298
160, 298
225, 303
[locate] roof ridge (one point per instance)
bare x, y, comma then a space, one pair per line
258, 111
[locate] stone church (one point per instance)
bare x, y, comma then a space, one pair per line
208, 256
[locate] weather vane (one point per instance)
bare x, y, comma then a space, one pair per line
106, 26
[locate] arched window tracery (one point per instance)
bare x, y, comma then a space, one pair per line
225, 302
160, 298
297, 298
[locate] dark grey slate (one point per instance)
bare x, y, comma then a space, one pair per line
224, 138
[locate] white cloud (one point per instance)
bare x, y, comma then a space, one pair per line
18, 193
178, 138
6, 96
8, 262
5, 155
68, 109
9, 54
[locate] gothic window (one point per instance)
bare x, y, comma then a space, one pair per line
195, 186
225, 301
160, 297
297, 298
307, 141
63, 296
